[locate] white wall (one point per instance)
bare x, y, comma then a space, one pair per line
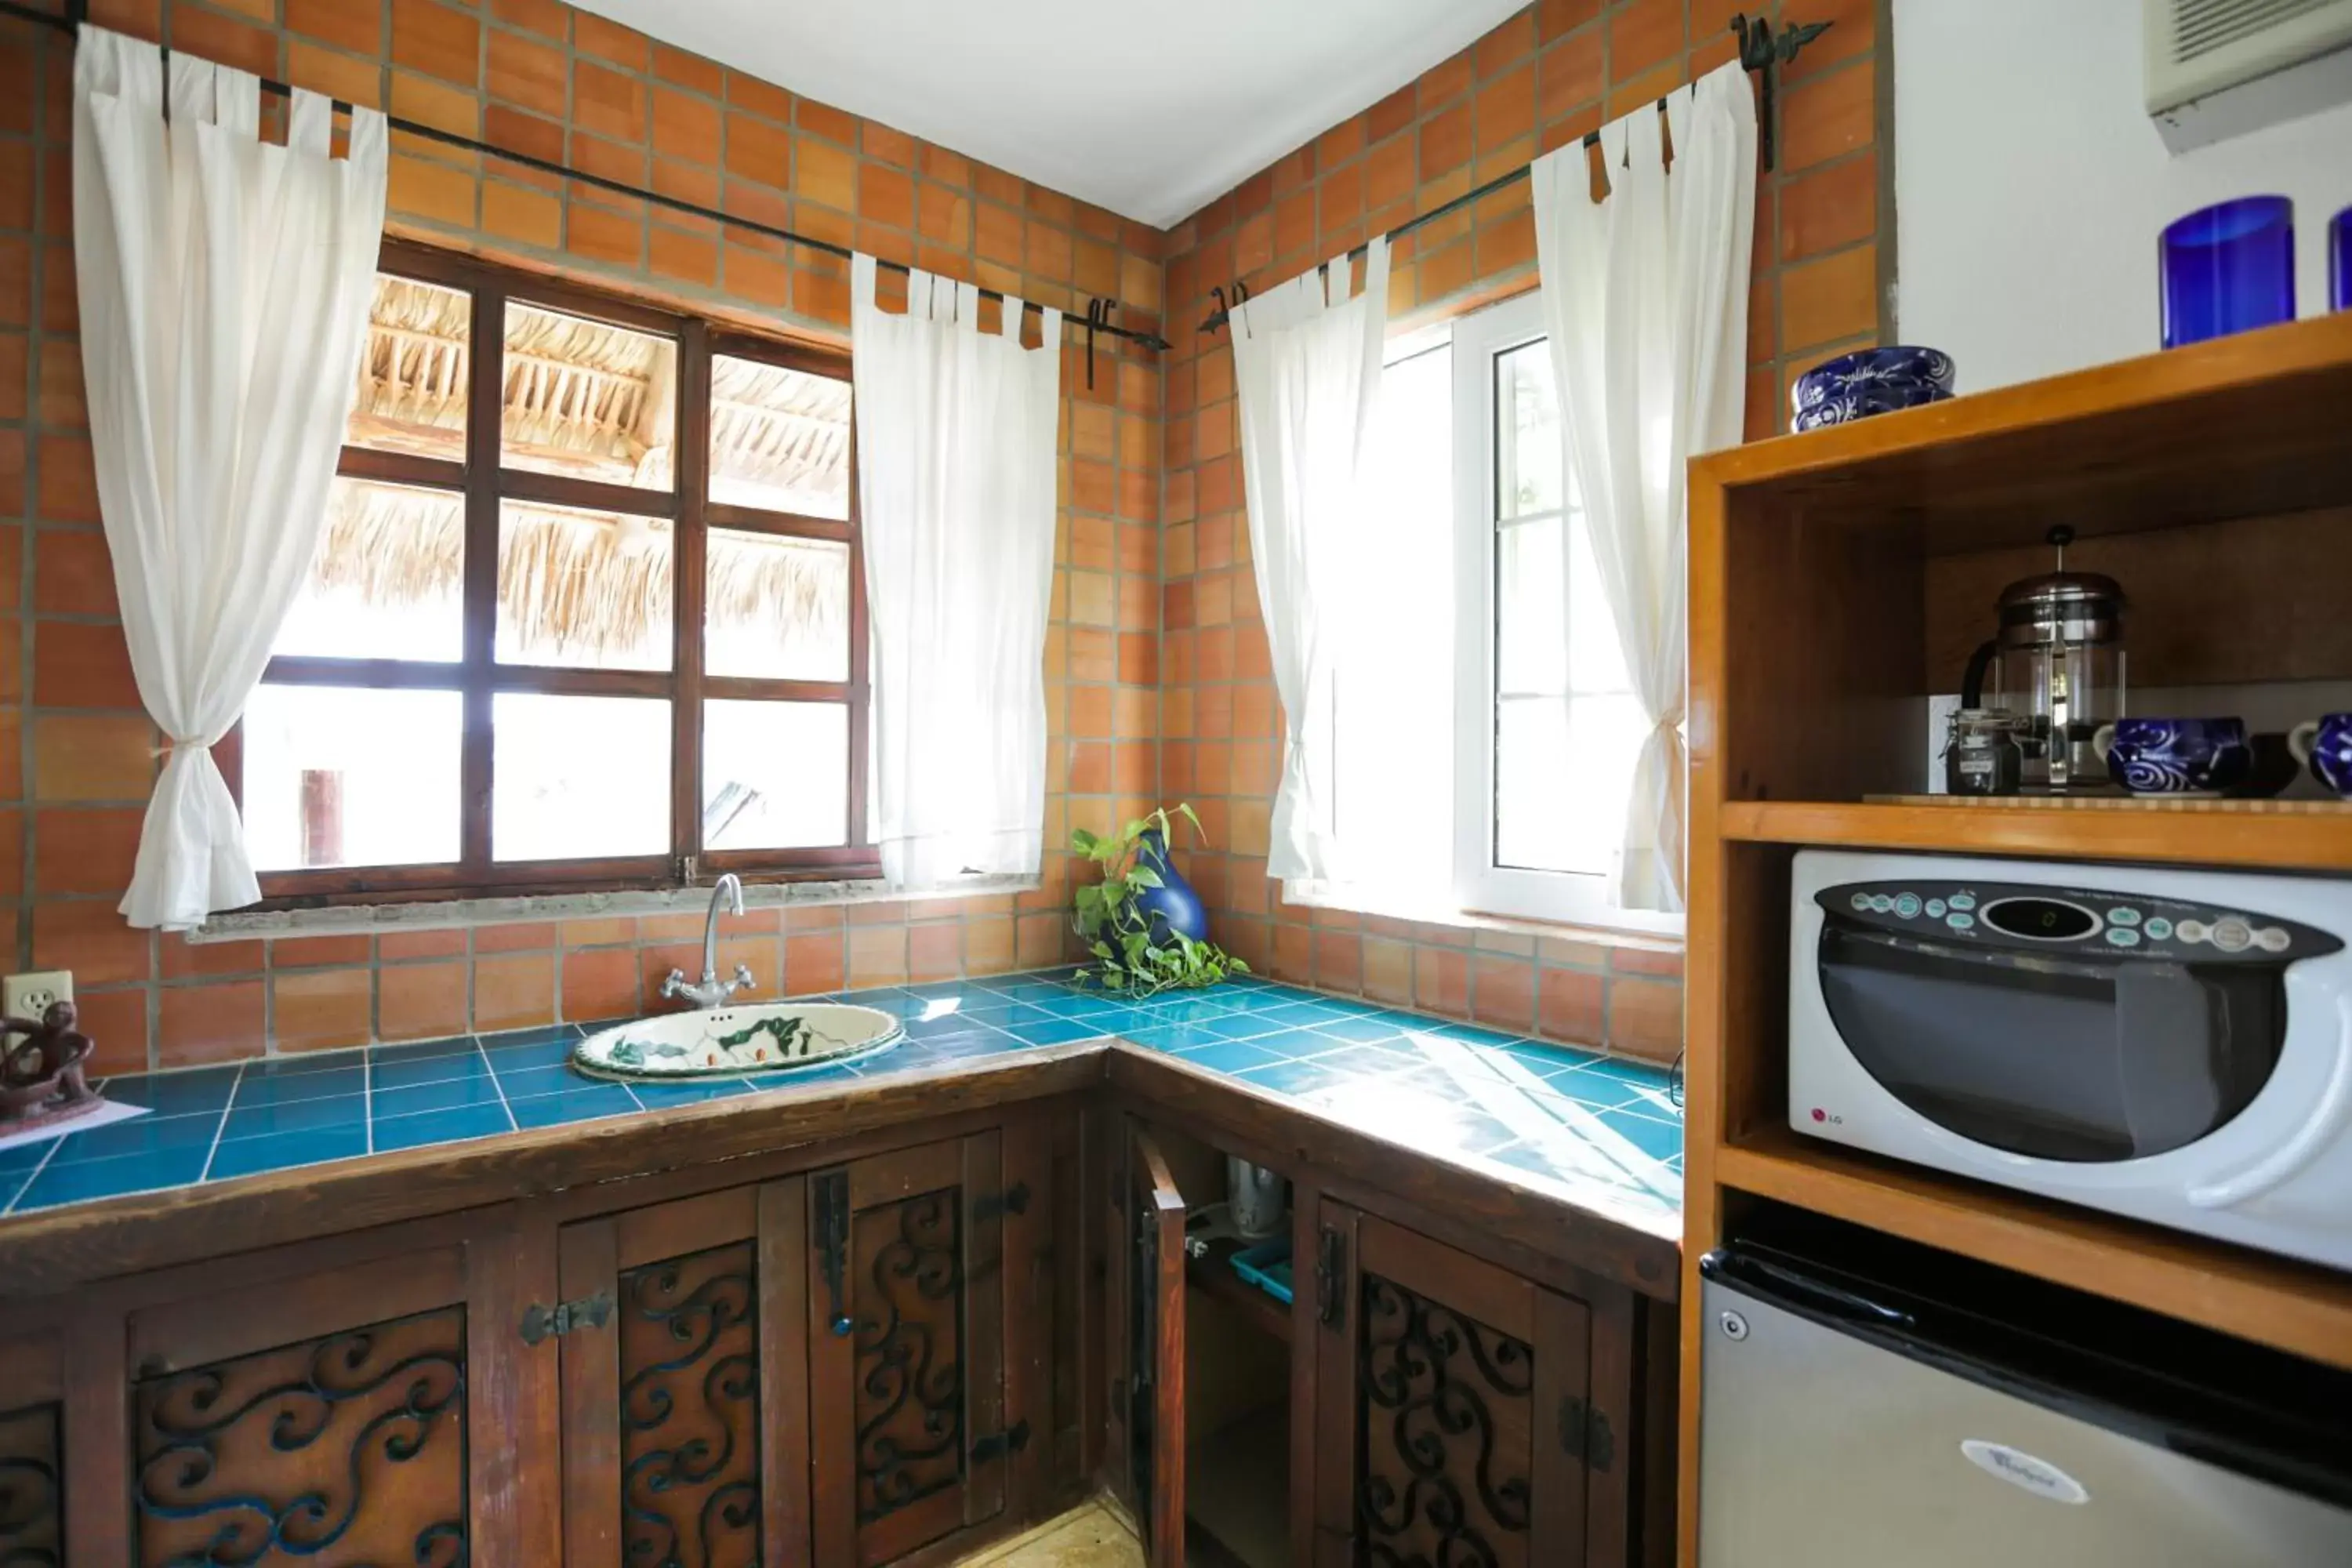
2031, 185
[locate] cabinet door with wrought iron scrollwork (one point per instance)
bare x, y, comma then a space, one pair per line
1443, 1390
346, 1448
907, 1318
684, 1373
32, 1505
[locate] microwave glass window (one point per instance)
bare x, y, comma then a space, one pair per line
2043, 920
2051, 1055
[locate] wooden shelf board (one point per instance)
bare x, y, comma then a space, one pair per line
2288, 841
1214, 1275
2289, 1306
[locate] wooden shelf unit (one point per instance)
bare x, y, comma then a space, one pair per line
2271, 1301
1831, 576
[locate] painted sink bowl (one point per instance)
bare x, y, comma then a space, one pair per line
730, 1041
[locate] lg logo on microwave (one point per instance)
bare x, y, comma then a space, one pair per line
1828, 1118
2022, 1470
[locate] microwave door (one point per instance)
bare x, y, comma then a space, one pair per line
2167, 1066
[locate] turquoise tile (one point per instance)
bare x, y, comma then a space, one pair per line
1190, 1008
444, 1126
1007, 1015
475, 1089
285, 1151
145, 1137
827, 1072
1368, 1027
1032, 990
1468, 1034
1289, 1044
1298, 1075
1293, 1013
560, 1037
573, 1105
304, 1064
536, 1053
297, 1116
175, 1093
545, 1077
407, 1072
1229, 1055
1243, 1026
1082, 1007
1170, 1036
946, 1024
85, 1180
1053, 1032
1661, 1141
262, 1089
1367, 1061
418, 1050
19, 1159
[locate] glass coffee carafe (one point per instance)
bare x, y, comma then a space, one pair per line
2056, 664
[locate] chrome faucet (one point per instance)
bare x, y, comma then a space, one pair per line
710, 990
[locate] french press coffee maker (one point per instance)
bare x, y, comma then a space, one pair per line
2056, 664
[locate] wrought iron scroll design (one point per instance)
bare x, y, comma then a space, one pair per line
238, 1460
909, 1366
31, 1528
1431, 1379
690, 1484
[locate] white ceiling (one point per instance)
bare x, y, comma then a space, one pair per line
1149, 108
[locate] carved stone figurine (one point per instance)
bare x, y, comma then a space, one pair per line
41, 1076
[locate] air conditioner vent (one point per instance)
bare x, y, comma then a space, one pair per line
2200, 26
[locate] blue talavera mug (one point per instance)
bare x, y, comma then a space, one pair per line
2326, 745
2176, 756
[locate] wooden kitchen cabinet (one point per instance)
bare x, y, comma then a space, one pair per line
1455, 1417
1441, 1409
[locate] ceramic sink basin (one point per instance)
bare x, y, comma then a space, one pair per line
728, 1042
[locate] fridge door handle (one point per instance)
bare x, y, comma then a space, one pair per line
2329, 1122
1792, 1285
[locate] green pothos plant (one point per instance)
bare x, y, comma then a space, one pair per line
1129, 955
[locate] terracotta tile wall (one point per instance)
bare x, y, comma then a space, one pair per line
1544, 78
76, 752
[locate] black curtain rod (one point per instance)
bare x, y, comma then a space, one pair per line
1758, 51
1095, 324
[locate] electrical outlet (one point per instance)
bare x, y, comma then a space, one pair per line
29, 995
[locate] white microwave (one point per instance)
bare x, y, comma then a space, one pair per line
2175, 1046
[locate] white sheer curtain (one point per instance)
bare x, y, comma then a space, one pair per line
1307, 363
225, 286
1645, 299
955, 437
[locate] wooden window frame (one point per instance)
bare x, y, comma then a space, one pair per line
482, 483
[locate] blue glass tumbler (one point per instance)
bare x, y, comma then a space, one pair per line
2228, 269
2339, 261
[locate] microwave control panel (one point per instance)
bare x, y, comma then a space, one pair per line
2085, 922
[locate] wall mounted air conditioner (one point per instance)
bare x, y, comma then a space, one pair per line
2219, 68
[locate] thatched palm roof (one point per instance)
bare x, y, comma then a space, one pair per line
586, 398
574, 583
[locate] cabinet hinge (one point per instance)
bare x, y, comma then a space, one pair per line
1014, 1199
546, 1322
1584, 1433
997, 1445
1331, 1278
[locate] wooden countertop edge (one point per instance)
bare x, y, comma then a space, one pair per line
53, 1250
1643, 1254
50, 1250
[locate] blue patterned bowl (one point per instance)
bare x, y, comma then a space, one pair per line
1873, 380
2325, 744
1847, 408
2176, 756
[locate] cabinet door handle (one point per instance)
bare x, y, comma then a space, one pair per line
831, 1193
1331, 1278
549, 1323
1585, 1433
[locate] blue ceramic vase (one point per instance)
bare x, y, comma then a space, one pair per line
2326, 745
1173, 905
1872, 381
2176, 756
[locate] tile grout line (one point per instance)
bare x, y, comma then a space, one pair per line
491, 1068
227, 1106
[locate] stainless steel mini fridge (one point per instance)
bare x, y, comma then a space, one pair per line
1867, 1403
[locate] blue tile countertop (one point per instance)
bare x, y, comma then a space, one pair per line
1603, 1132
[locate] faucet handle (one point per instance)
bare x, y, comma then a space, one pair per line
742, 980
673, 983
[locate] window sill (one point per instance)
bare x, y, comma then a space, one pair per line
359, 920
1657, 932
